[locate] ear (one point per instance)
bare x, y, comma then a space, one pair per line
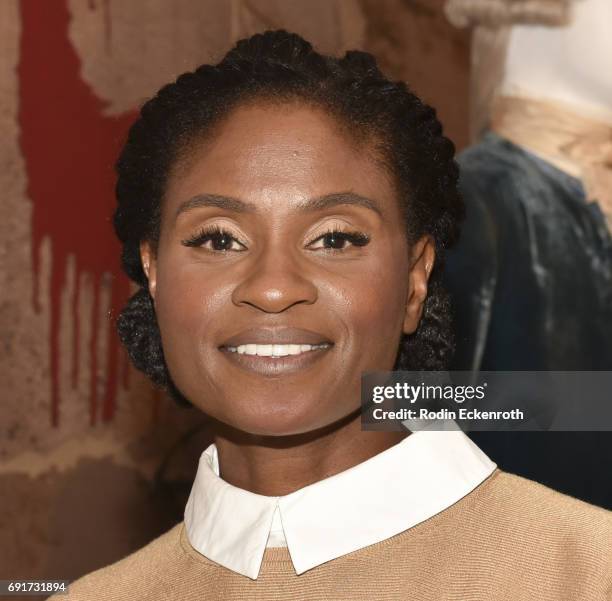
422, 261
149, 265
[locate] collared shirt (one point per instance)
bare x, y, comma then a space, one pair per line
425, 473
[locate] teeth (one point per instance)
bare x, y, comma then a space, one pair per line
274, 350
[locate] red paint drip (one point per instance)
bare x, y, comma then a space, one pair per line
70, 148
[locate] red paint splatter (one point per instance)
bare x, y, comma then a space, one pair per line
69, 148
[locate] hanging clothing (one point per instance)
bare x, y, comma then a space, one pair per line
531, 285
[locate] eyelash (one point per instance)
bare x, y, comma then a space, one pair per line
209, 233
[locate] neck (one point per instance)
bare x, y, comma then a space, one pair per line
277, 466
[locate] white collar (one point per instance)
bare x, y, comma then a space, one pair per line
404, 485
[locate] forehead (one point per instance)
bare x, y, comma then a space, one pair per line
273, 153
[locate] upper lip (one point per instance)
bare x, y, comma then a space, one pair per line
284, 335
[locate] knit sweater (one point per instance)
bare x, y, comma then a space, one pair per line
509, 539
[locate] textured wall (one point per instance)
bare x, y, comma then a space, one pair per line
93, 462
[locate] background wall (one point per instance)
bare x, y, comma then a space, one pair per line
93, 462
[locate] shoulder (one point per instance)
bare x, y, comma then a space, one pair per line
135, 576
540, 526
532, 505
533, 498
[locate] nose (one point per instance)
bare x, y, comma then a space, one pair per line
276, 280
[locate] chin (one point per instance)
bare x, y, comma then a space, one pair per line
284, 423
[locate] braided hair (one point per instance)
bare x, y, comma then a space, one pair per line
279, 66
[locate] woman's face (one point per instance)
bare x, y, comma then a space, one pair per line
276, 180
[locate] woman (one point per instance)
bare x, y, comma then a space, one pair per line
286, 215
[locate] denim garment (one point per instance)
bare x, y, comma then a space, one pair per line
531, 282
531, 277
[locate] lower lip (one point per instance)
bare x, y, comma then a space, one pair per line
275, 366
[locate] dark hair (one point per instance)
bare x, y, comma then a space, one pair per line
281, 66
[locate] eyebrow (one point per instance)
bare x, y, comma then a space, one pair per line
314, 204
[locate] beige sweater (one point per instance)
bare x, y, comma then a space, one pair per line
509, 539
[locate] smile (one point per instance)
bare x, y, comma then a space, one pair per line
274, 350
273, 360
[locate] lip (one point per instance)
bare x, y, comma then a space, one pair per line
278, 335
276, 366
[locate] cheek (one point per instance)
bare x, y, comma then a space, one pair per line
370, 302
365, 298
186, 306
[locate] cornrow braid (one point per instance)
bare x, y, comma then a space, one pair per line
281, 66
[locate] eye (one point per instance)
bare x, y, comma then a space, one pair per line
221, 240
336, 239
